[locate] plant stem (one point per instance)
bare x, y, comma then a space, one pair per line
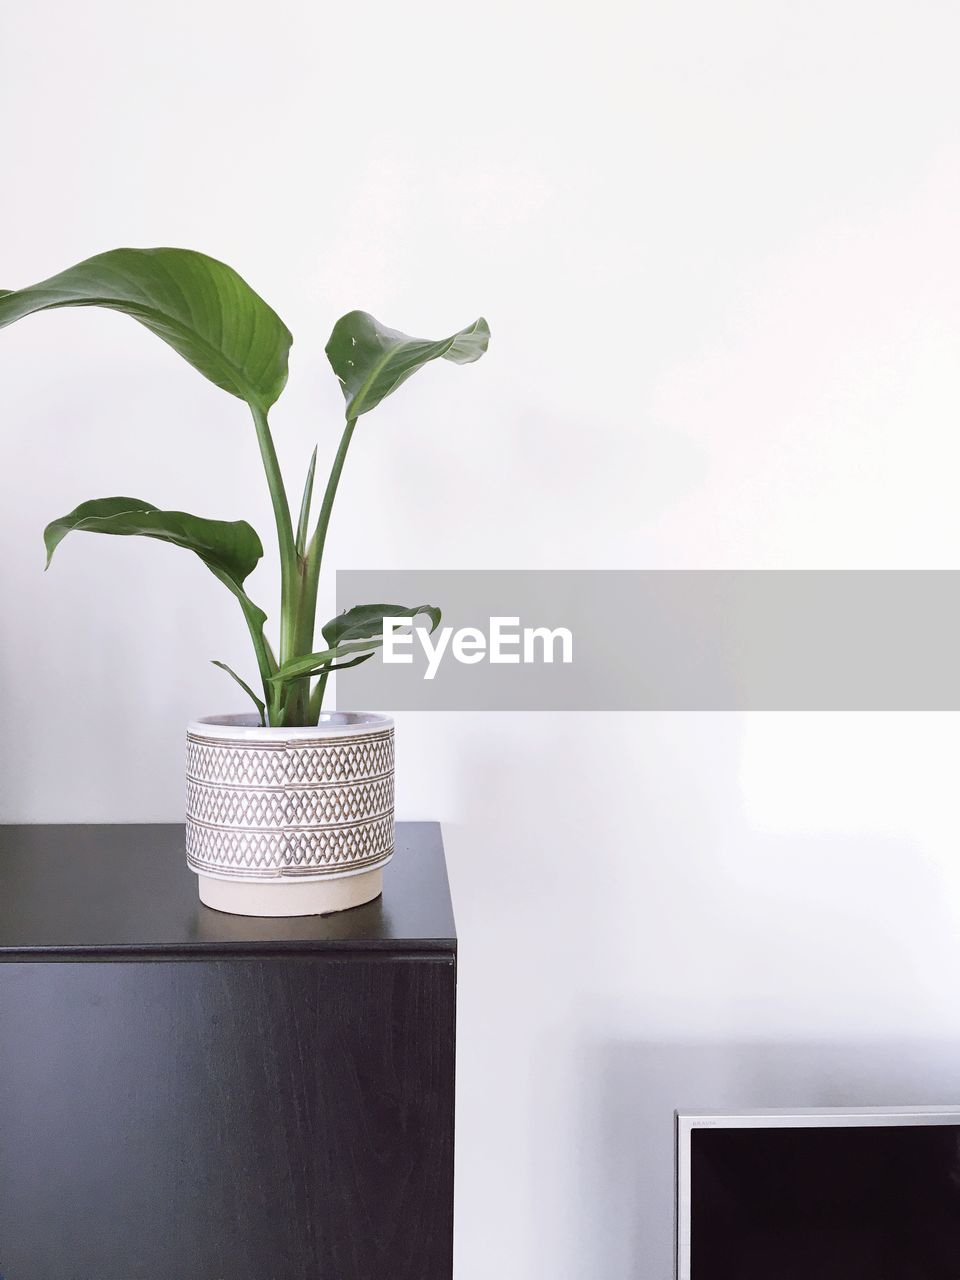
254, 618
307, 605
289, 577
265, 665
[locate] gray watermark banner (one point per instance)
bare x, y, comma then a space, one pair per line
690, 640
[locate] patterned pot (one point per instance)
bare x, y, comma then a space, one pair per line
290, 822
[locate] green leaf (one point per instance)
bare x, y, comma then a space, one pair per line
230, 549
305, 505
359, 630
326, 660
309, 665
200, 306
260, 705
365, 620
371, 360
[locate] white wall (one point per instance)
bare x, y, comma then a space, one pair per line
718, 248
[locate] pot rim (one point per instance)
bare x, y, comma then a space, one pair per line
333, 724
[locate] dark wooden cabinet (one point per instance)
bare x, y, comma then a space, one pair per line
186, 1095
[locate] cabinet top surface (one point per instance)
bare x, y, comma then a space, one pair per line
118, 889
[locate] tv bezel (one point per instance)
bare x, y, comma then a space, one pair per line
800, 1118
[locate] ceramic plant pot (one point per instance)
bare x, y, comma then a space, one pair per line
290, 822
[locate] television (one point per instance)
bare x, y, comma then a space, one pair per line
865, 1194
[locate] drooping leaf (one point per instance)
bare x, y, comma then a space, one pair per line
371, 360
305, 505
200, 306
258, 703
365, 620
229, 548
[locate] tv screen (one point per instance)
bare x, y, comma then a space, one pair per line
857, 1195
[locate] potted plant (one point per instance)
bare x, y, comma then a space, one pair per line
289, 808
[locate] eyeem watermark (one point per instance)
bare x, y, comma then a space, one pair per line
662, 640
504, 642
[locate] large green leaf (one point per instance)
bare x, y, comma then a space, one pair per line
371, 360
230, 549
200, 306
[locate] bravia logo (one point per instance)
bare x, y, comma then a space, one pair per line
504, 642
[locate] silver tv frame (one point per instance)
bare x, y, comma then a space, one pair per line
803, 1118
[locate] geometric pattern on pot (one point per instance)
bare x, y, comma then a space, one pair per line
281, 763
289, 806
264, 854
303, 803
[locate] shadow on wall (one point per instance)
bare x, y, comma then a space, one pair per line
624, 1187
